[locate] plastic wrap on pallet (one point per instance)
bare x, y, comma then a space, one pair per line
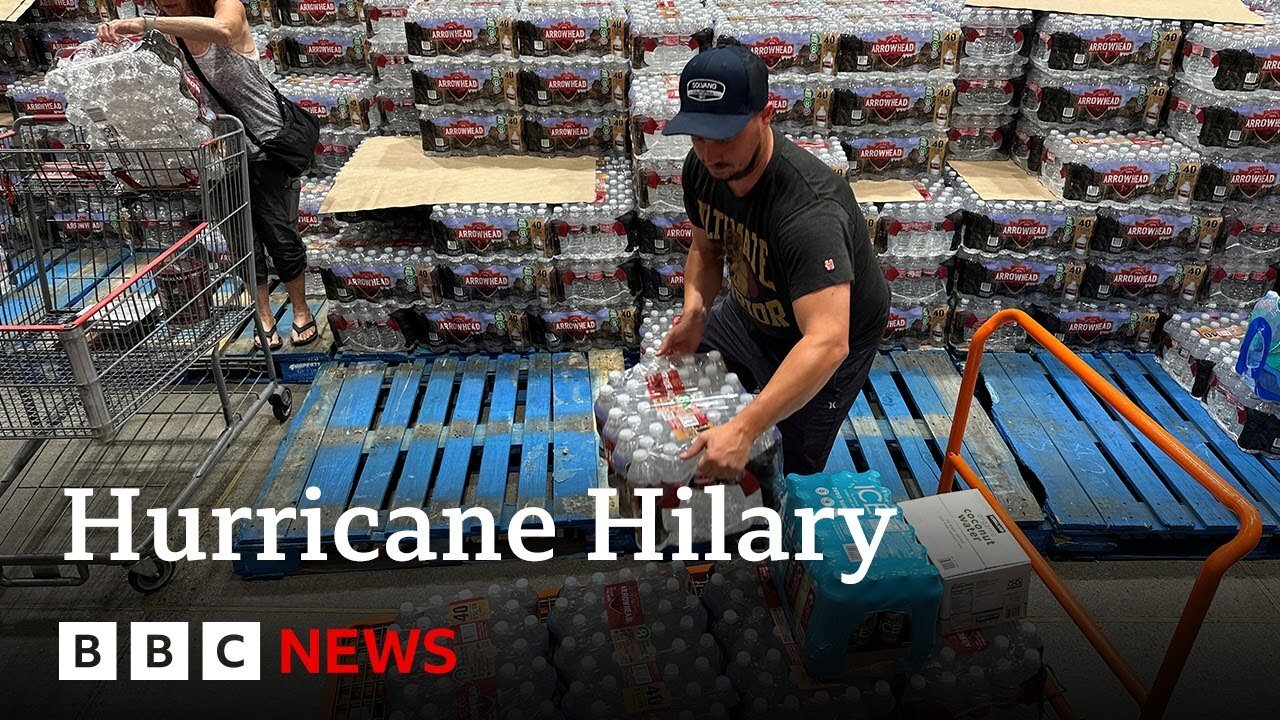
991, 33
980, 133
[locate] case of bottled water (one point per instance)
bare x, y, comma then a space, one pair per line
1195, 343
81, 11
913, 326
916, 280
322, 50
387, 17
478, 84
922, 229
465, 132
338, 101
455, 28
969, 313
1246, 178
980, 133
665, 282
575, 133
1233, 57
1144, 277
894, 40
666, 33
1225, 119
1250, 231
58, 40
1120, 228
31, 95
1133, 167
826, 615
580, 83
989, 83
896, 154
991, 33
586, 323
389, 57
1096, 99
1044, 275
868, 100
655, 99
1080, 42
1093, 327
1238, 282
659, 183
664, 233
1028, 143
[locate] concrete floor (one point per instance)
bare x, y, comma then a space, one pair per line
1232, 670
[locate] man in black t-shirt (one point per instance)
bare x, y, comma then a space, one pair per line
807, 302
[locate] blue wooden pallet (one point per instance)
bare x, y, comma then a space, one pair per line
899, 427
502, 434
1108, 491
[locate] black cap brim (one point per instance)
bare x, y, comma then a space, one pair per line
712, 126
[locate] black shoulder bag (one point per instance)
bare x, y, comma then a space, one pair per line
295, 146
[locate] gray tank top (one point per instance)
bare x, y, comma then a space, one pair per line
240, 81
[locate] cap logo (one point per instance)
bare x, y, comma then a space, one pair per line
704, 90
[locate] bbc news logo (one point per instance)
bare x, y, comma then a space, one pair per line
233, 651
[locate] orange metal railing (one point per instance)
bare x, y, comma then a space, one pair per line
1154, 701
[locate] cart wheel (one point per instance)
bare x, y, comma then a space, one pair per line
282, 404
147, 585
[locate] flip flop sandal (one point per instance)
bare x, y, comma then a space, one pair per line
274, 341
300, 330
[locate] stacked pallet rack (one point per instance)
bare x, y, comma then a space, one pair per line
99, 320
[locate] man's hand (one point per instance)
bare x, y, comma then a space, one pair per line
685, 335
725, 450
116, 30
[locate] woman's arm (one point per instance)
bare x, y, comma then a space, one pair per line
226, 27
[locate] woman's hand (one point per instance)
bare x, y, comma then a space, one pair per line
116, 30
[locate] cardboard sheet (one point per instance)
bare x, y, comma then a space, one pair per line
1223, 11
1001, 180
887, 191
390, 172
11, 10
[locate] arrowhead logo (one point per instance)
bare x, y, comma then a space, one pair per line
1124, 180
880, 154
1090, 326
451, 34
569, 132
458, 84
1024, 232
1149, 231
893, 48
886, 103
1264, 124
773, 50
1252, 180
1098, 102
1110, 47
480, 234
564, 34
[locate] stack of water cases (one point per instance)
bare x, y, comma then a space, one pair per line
488, 277
665, 34
496, 78
891, 88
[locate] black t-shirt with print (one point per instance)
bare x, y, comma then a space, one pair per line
797, 231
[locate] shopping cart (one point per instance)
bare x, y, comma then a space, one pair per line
121, 268
1154, 701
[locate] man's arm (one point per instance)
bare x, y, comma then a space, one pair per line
823, 317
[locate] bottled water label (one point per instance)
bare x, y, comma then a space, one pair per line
1134, 167
452, 133
322, 50
476, 328
1224, 119
1241, 177
984, 275
59, 40
1139, 277
458, 30
339, 101
486, 279
665, 233
1019, 228
784, 43
587, 325
907, 155
46, 11
582, 84
892, 99
915, 326
1098, 98
484, 234
666, 279
569, 30
32, 96
1095, 327
1119, 229
576, 134
311, 13
912, 41
474, 84
1080, 42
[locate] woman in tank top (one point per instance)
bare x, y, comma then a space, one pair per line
217, 34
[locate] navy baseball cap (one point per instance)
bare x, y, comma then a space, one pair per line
720, 90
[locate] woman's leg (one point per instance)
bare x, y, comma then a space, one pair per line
277, 232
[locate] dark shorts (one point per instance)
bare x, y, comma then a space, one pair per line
275, 222
807, 436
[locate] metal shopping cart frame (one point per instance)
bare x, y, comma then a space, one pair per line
123, 267
1152, 701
